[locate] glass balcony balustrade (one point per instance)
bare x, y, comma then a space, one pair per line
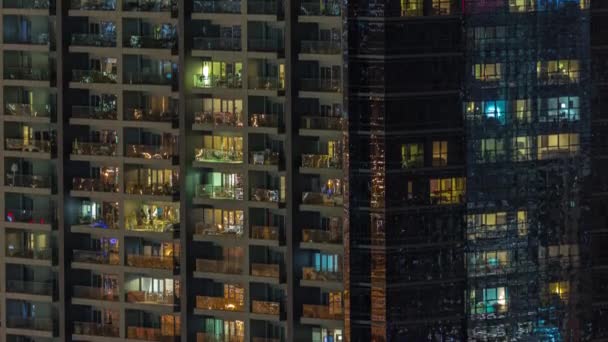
28, 110
33, 216
265, 270
29, 181
28, 145
220, 192
321, 312
313, 274
228, 119
94, 185
96, 329
217, 6
266, 307
212, 155
218, 303
322, 123
96, 257
150, 261
28, 73
219, 266
265, 233
211, 229
95, 293
321, 161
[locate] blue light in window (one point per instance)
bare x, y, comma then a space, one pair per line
495, 110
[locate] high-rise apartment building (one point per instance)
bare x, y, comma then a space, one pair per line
303, 170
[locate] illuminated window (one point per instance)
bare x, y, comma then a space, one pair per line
487, 261
522, 148
522, 5
412, 155
447, 190
489, 300
441, 7
335, 303
327, 263
494, 110
558, 71
219, 74
411, 8
561, 108
440, 153
522, 111
234, 296
559, 288
484, 37
522, 223
220, 221
491, 72
491, 150
226, 330
557, 145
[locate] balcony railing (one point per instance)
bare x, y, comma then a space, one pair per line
28, 4
150, 151
140, 77
218, 303
265, 270
35, 39
149, 42
211, 81
96, 329
266, 195
148, 5
28, 74
29, 181
319, 198
96, 257
30, 253
321, 47
320, 312
330, 9
149, 297
265, 307
93, 185
217, 6
30, 287
209, 337
219, 266
216, 43
95, 293
156, 189
144, 334
265, 339
147, 114
36, 216
265, 45
262, 7
321, 236
93, 39
28, 110
150, 261
321, 161
310, 273
30, 323
265, 232
93, 148
264, 120
211, 229
18, 144
212, 155
93, 76
265, 157
218, 118
93, 5
266, 83
157, 226
321, 84
220, 192
323, 123
92, 112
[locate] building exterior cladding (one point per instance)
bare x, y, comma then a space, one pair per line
266, 171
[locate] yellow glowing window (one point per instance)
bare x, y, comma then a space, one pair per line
411, 8
412, 155
522, 223
557, 145
442, 7
558, 71
522, 5
440, 153
489, 300
523, 111
492, 150
521, 148
447, 190
560, 288
488, 72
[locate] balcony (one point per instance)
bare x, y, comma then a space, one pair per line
265, 307
96, 257
312, 274
321, 161
33, 216
143, 333
211, 155
150, 261
94, 112
155, 189
93, 5
96, 329
29, 4
145, 297
213, 81
219, 266
150, 152
209, 337
216, 43
30, 253
262, 7
321, 85
148, 114
34, 39
210, 229
146, 78
322, 236
321, 47
27, 74
18, 144
217, 6
270, 233
265, 270
264, 157
329, 9
266, 195
30, 323
27, 110
93, 149
149, 42
265, 339
30, 287
93, 76
29, 181
93, 39
264, 120
218, 303
322, 199
93, 185
266, 83
156, 226
265, 45
320, 312
95, 293
228, 119
322, 123
220, 192
148, 5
